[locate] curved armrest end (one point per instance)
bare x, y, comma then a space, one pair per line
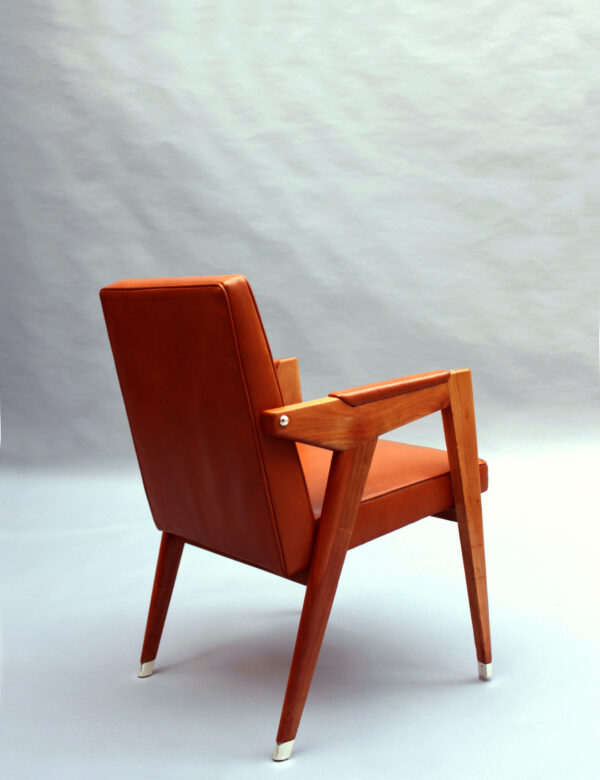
379, 391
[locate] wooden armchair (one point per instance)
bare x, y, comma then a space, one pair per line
235, 462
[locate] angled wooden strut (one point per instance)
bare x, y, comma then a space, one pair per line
198, 377
349, 423
345, 486
461, 443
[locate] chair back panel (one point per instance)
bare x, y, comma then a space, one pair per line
195, 371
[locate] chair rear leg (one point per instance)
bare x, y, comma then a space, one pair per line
345, 486
461, 441
169, 556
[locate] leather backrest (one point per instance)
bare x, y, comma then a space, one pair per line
195, 371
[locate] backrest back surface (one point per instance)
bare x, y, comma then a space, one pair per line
195, 371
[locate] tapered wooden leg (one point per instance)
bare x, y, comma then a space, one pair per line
169, 556
345, 486
461, 442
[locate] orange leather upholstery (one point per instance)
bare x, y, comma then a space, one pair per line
215, 424
357, 396
405, 483
195, 371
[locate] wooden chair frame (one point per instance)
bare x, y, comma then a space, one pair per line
349, 423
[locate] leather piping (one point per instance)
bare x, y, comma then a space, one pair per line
294, 443
259, 452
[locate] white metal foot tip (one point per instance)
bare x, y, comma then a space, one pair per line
485, 671
146, 669
283, 751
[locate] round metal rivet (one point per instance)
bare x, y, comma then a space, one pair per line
284, 420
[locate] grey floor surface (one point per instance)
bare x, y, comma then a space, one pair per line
395, 693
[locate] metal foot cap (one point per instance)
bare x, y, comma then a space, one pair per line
485, 671
146, 669
283, 750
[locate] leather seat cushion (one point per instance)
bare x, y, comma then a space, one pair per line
405, 483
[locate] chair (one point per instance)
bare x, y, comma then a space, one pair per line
233, 461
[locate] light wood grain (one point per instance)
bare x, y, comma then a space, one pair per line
345, 486
366, 394
332, 424
288, 376
461, 443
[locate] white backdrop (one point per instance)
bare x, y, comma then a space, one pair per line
404, 184
408, 186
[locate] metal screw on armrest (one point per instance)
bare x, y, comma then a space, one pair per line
284, 420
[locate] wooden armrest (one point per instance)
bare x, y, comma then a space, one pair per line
288, 376
365, 394
334, 424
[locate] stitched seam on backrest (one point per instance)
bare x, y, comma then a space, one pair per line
259, 452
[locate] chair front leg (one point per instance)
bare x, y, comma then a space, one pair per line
461, 442
345, 487
169, 556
